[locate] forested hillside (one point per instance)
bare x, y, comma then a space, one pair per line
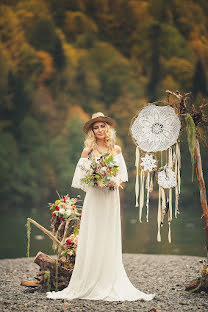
61, 61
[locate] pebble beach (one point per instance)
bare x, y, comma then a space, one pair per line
164, 275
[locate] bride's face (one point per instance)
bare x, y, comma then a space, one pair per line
99, 130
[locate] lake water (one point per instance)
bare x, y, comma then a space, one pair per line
188, 237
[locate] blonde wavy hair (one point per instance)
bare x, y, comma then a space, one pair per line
110, 138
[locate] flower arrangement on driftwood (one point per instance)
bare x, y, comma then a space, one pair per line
55, 273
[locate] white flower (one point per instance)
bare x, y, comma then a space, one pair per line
68, 206
148, 162
62, 211
68, 212
103, 168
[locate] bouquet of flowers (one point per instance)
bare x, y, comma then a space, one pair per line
102, 173
64, 208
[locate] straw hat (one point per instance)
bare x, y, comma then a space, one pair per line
98, 117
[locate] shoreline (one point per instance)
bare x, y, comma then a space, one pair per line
163, 274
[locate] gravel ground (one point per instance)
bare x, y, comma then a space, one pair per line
164, 275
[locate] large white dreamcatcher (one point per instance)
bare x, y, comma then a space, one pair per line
156, 129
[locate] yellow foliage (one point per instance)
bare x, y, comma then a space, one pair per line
169, 83
77, 111
192, 17
25, 17
29, 12
77, 23
141, 11
11, 33
71, 54
179, 72
47, 66
28, 62
33, 8
199, 45
21, 56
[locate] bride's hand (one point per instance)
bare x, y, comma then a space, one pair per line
114, 184
111, 184
120, 186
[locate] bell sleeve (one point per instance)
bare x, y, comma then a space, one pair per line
122, 171
80, 172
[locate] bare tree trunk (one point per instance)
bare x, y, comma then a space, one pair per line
202, 188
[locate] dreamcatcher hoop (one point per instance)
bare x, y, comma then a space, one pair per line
156, 129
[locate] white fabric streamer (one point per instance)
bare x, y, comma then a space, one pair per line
170, 160
141, 198
137, 175
170, 205
176, 188
169, 233
159, 216
148, 191
163, 202
178, 154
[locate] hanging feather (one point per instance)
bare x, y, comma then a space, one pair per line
159, 216
141, 197
137, 175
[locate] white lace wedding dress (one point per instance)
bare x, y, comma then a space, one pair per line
99, 273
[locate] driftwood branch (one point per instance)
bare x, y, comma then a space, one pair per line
30, 284
44, 230
202, 188
66, 230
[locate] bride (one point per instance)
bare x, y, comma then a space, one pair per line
98, 272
